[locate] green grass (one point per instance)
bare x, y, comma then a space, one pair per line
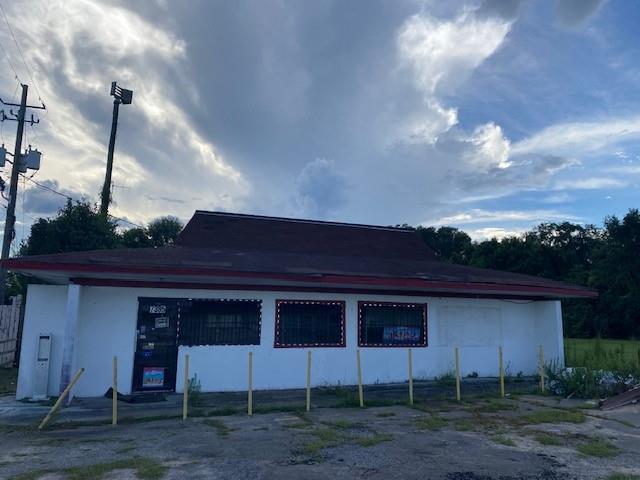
8, 380
325, 438
598, 448
145, 469
305, 421
602, 353
554, 416
342, 424
547, 439
374, 439
431, 422
222, 429
502, 440
217, 412
495, 405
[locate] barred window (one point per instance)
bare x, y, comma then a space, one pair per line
219, 322
307, 323
384, 324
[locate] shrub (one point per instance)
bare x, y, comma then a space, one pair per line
584, 382
195, 388
447, 379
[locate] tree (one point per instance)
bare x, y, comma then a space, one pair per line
616, 274
164, 231
136, 238
76, 227
447, 242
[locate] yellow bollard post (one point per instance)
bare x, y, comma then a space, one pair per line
185, 394
410, 378
360, 392
457, 352
541, 366
501, 366
61, 398
114, 391
308, 380
250, 390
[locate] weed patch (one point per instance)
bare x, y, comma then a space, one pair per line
447, 379
554, 416
494, 405
547, 439
145, 469
431, 422
305, 421
502, 440
342, 424
222, 429
374, 439
598, 448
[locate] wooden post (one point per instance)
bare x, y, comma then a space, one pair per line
250, 389
410, 378
61, 398
457, 354
501, 365
114, 393
360, 392
541, 362
185, 394
308, 380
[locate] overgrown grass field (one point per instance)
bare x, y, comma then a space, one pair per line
602, 354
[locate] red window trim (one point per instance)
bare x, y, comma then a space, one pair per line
424, 342
342, 305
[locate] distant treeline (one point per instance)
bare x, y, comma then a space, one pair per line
606, 258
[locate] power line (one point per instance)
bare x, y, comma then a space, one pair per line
53, 190
2, 123
21, 54
45, 187
6, 56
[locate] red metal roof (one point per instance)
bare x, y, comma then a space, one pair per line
301, 252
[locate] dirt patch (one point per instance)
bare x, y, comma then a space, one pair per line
485, 439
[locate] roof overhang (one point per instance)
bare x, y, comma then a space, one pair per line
210, 278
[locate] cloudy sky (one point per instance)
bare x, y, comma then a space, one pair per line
491, 116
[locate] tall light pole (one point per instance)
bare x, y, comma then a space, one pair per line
120, 95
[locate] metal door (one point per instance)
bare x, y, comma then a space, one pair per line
156, 356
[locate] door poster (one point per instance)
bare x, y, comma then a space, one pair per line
152, 377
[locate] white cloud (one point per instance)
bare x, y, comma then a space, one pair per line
595, 183
498, 233
477, 215
443, 53
579, 137
562, 197
74, 49
492, 147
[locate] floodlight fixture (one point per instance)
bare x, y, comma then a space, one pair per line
122, 94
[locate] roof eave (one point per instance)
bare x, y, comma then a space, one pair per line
147, 273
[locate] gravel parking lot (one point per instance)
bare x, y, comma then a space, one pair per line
528, 438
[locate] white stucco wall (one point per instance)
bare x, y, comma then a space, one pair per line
108, 317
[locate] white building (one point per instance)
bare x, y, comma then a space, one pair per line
278, 287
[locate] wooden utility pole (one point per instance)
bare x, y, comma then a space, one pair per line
15, 172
